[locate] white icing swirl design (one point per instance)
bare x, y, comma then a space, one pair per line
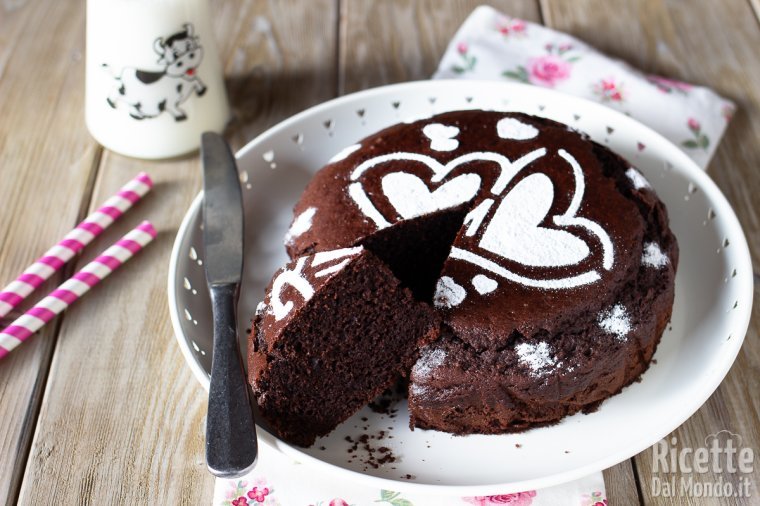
411, 197
514, 232
298, 279
301, 224
510, 223
295, 279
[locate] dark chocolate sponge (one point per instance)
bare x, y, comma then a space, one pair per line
335, 330
548, 257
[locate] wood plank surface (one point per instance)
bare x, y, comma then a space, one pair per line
38, 152
691, 41
122, 421
403, 40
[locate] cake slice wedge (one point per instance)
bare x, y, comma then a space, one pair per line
335, 329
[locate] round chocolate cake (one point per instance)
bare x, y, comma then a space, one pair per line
547, 258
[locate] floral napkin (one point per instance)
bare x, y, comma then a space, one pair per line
280, 481
490, 45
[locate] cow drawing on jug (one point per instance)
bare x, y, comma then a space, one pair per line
148, 93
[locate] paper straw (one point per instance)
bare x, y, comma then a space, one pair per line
75, 287
37, 273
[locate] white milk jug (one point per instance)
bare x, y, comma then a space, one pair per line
154, 81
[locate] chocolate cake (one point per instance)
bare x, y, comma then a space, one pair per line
547, 257
335, 329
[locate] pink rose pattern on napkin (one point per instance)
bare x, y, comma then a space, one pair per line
280, 481
490, 45
249, 493
518, 499
546, 70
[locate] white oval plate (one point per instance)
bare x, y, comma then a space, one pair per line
710, 317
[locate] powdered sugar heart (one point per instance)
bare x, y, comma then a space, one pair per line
411, 197
514, 231
511, 128
448, 293
441, 136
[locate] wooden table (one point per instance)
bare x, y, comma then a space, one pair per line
100, 408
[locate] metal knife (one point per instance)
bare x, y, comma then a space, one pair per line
231, 446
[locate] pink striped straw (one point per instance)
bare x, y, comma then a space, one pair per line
36, 274
75, 287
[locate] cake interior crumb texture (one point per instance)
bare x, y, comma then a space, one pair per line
343, 348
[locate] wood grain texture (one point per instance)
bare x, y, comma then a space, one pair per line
620, 484
38, 153
122, 420
403, 40
691, 41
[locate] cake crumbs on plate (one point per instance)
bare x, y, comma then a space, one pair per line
370, 456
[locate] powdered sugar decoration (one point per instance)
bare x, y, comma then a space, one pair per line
615, 321
261, 308
344, 153
296, 277
301, 224
326, 256
448, 293
411, 197
430, 359
475, 217
483, 284
637, 179
514, 129
537, 357
507, 170
442, 137
513, 231
653, 256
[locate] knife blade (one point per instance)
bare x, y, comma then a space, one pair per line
231, 445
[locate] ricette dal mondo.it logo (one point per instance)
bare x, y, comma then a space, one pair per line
720, 468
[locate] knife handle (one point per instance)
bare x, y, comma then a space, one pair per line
231, 446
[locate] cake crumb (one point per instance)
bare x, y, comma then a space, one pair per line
370, 456
390, 397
